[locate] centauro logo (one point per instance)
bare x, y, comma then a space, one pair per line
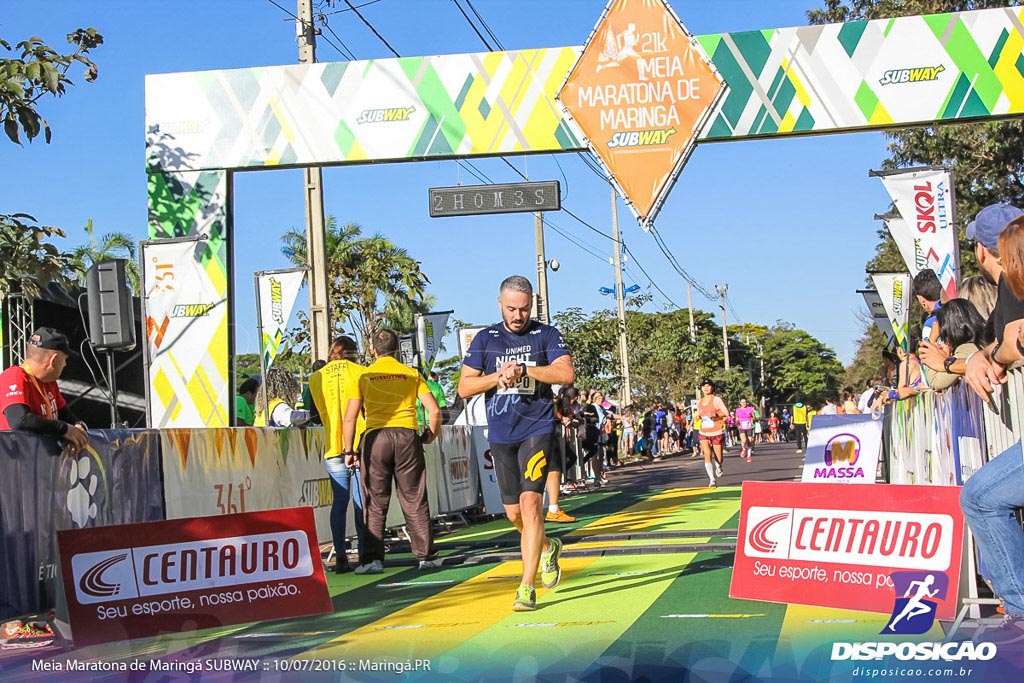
920, 74
191, 310
385, 115
641, 138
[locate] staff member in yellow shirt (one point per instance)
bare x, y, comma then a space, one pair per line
331, 387
800, 425
392, 450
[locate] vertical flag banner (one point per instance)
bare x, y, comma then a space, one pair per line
924, 200
276, 291
184, 308
894, 290
879, 315
429, 333
903, 236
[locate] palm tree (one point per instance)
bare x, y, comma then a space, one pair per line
373, 283
110, 246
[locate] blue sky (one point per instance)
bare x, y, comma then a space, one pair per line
786, 223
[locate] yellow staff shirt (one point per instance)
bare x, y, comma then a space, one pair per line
389, 390
331, 387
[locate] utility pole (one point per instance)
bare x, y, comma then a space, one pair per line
319, 305
722, 289
543, 309
689, 303
626, 391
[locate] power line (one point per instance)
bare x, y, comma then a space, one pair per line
486, 27
370, 26
473, 26
339, 11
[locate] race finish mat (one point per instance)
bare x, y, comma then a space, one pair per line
643, 596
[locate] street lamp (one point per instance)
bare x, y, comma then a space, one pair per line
611, 290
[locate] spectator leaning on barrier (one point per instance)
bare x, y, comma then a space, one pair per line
981, 292
31, 399
929, 293
992, 496
963, 333
987, 367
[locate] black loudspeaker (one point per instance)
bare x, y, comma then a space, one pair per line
111, 313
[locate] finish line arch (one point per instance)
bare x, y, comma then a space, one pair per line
202, 127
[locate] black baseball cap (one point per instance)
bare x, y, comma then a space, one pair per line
708, 382
49, 338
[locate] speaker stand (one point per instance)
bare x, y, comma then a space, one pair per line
112, 381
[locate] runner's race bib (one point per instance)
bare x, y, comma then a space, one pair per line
746, 425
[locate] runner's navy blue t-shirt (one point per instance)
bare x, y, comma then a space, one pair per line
526, 409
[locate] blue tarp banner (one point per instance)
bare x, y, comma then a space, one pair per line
114, 480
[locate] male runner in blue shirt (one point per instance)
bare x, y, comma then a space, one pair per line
515, 363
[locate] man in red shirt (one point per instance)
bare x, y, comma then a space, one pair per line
29, 396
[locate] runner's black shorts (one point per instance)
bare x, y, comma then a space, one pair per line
523, 467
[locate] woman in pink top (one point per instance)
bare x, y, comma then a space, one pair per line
745, 420
712, 413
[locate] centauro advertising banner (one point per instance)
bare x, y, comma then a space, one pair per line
276, 291
830, 545
641, 92
894, 290
186, 326
141, 580
879, 315
926, 235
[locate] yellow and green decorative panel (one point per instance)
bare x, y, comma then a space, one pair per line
867, 74
809, 79
187, 312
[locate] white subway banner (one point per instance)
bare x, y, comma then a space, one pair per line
276, 292
879, 316
894, 289
429, 333
924, 200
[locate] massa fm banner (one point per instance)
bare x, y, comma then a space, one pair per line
807, 79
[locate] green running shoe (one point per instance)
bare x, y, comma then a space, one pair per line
550, 572
526, 599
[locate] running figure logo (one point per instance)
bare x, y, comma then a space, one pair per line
914, 612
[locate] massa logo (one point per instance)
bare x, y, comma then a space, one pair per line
191, 310
641, 138
842, 450
767, 528
535, 467
920, 74
385, 115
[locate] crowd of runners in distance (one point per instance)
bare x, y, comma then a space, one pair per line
600, 435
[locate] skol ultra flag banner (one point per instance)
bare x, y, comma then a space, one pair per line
894, 290
879, 315
186, 322
429, 333
924, 200
276, 291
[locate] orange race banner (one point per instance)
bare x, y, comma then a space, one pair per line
641, 92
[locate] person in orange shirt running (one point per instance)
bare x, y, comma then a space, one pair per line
713, 412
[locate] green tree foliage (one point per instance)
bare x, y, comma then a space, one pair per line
665, 364
35, 70
987, 158
112, 245
372, 283
29, 262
